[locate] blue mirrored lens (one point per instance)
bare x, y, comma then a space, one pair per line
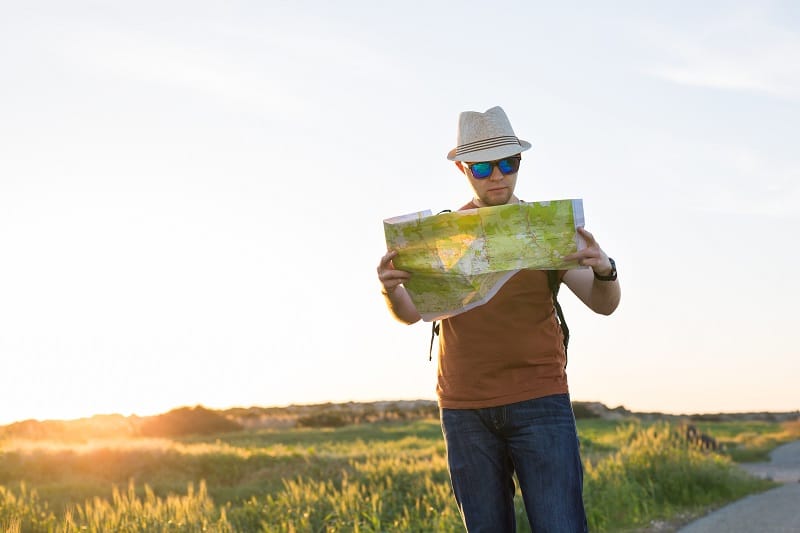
505, 166
481, 170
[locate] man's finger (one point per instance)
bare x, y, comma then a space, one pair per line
387, 258
588, 237
387, 275
586, 253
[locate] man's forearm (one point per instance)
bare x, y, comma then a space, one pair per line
604, 297
399, 303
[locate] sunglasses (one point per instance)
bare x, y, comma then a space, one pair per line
484, 169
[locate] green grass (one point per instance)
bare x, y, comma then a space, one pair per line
656, 475
388, 476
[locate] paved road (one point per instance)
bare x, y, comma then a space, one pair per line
777, 510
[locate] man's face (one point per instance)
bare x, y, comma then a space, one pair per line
496, 189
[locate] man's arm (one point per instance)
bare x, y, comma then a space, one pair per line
599, 296
397, 298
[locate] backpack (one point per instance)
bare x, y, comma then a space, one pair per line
554, 283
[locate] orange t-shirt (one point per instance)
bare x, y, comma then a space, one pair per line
508, 350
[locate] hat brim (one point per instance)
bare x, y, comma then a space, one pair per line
490, 154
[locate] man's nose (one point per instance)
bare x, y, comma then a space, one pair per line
496, 174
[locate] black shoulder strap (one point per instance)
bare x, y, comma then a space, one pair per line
434, 333
554, 283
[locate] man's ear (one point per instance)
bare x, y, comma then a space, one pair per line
460, 166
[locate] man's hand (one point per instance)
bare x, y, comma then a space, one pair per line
398, 301
388, 276
599, 296
592, 256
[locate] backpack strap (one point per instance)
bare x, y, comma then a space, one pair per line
434, 332
554, 283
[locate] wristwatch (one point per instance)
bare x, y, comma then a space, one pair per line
612, 276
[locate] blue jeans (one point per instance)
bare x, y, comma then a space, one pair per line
538, 440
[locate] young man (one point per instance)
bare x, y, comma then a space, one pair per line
502, 385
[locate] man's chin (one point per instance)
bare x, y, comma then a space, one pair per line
496, 199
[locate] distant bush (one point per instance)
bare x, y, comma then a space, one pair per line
582, 410
417, 411
338, 415
325, 419
710, 417
187, 421
95, 427
36, 430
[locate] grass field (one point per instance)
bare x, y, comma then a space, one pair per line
381, 476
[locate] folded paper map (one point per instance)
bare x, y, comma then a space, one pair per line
460, 260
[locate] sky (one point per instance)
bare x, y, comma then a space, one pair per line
192, 194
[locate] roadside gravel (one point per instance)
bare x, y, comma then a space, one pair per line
777, 510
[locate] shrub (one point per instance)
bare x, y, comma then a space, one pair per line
323, 420
583, 411
187, 421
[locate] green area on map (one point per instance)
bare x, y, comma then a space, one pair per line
456, 259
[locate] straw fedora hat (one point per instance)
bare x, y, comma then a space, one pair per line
486, 137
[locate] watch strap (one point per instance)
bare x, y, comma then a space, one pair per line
608, 277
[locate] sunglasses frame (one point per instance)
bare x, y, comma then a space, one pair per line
493, 164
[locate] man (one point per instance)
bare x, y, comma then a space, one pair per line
502, 385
